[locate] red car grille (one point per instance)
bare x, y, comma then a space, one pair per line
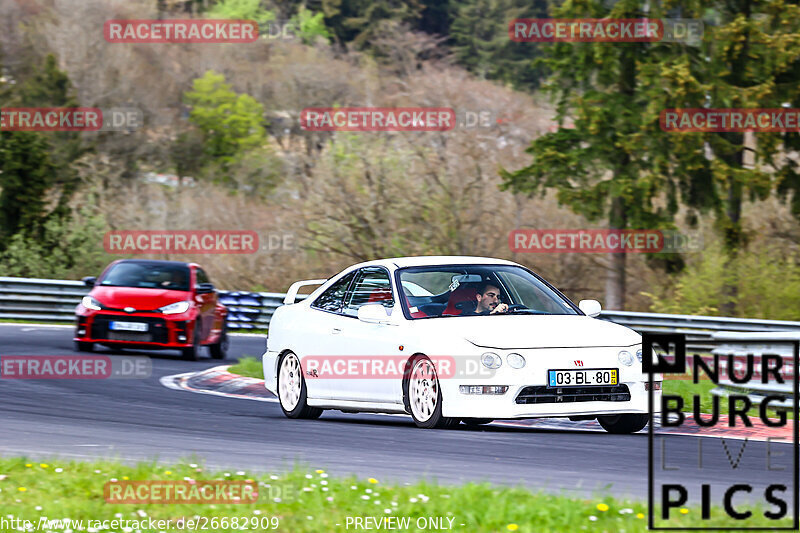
156, 331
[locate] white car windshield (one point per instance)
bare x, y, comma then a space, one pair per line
470, 290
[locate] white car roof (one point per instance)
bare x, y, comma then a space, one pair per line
429, 260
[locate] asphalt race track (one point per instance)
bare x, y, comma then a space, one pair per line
141, 419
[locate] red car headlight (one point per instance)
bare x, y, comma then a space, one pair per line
175, 308
91, 303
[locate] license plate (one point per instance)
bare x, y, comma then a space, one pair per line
578, 378
129, 326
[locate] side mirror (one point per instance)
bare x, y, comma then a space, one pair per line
373, 313
590, 307
205, 288
89, 281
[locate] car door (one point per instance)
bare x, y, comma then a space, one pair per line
207, 304
318, 335
370, 344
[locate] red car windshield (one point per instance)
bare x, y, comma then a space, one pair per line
147, 276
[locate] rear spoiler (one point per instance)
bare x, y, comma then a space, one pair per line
292, 292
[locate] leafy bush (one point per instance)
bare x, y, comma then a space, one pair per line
766, 279
241, 10
68, 248
310, 26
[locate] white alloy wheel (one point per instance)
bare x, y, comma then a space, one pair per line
289, 382
423, 390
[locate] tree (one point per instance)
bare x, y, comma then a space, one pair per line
749, 58
241, 10
26, 174
230, 124
309, 26
360, 21
600, 168
479, 36
27, 171
48, 86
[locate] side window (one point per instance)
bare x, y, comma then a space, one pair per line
372, 286
201, 276
333, 298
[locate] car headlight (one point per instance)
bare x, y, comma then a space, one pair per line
491, 360
625, 358
91, 303
515, 360
173, 309
657, 350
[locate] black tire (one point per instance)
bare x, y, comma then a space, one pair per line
220, 349
84, 346
477, 421
191, 353
436, 420
301, 409
623, 424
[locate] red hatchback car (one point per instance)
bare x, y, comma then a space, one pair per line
138, 303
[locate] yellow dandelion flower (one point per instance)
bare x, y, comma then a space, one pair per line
639, 515
28, 465
126, 478
684, 510
43, 465
512, 527
22, 489
372, 480
602, 507
168, 473
319, 471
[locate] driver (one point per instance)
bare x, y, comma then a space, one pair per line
177, 280
488, 301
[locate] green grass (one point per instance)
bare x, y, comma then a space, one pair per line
28, 321
687, 389
254, 331
300, 502
249, 367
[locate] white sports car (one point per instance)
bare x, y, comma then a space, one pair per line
452, 339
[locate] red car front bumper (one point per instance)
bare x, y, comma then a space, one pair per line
162, 331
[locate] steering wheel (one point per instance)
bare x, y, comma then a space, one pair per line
516, 307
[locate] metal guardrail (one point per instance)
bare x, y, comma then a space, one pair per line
55, 300
735, 348
699, 330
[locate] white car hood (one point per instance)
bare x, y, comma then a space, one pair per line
542, 331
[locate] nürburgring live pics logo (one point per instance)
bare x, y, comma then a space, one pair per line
765, 497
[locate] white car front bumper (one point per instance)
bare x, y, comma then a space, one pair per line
505, 406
